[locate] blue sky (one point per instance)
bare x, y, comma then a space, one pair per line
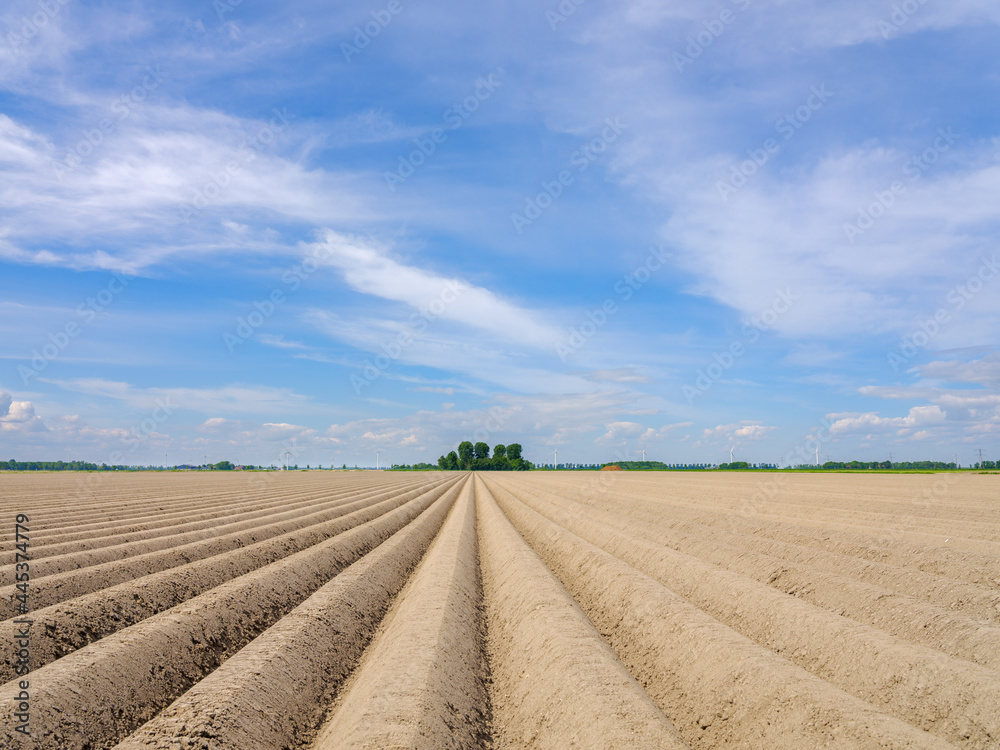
233, 230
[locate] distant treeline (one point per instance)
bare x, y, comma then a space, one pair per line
880, 465
477, 458
87, 466
655, 466
828, 466
744, 466
59, 466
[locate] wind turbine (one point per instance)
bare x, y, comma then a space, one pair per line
555, 459
731, 447
376, 459
643, 451
817, 455
287, 454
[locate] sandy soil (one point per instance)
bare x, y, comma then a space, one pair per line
319, 610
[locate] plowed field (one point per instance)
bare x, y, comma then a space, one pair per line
329, 610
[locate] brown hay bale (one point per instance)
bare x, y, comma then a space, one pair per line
612, 467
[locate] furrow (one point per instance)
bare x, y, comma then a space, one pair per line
272, 694
720, 688
948, 697
556, 683
420, 684
96, 696
70, 625
63, 586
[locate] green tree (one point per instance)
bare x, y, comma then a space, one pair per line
481, 451
465, 452
500, 451
514, 451
452, 461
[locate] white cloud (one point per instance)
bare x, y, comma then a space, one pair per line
784, 232
217, 423
155, 169
18, 416
740, 432
283, 431
369, 269
449, 346
985, 371
871, 422
620, 432
279, 341
618, 375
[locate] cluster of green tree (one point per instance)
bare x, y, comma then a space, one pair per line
987, 465
414, 467
655, 466
477, 458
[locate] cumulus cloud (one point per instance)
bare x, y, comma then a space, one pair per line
621, 431
18, 416
740, 432
217, 423
872, 422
